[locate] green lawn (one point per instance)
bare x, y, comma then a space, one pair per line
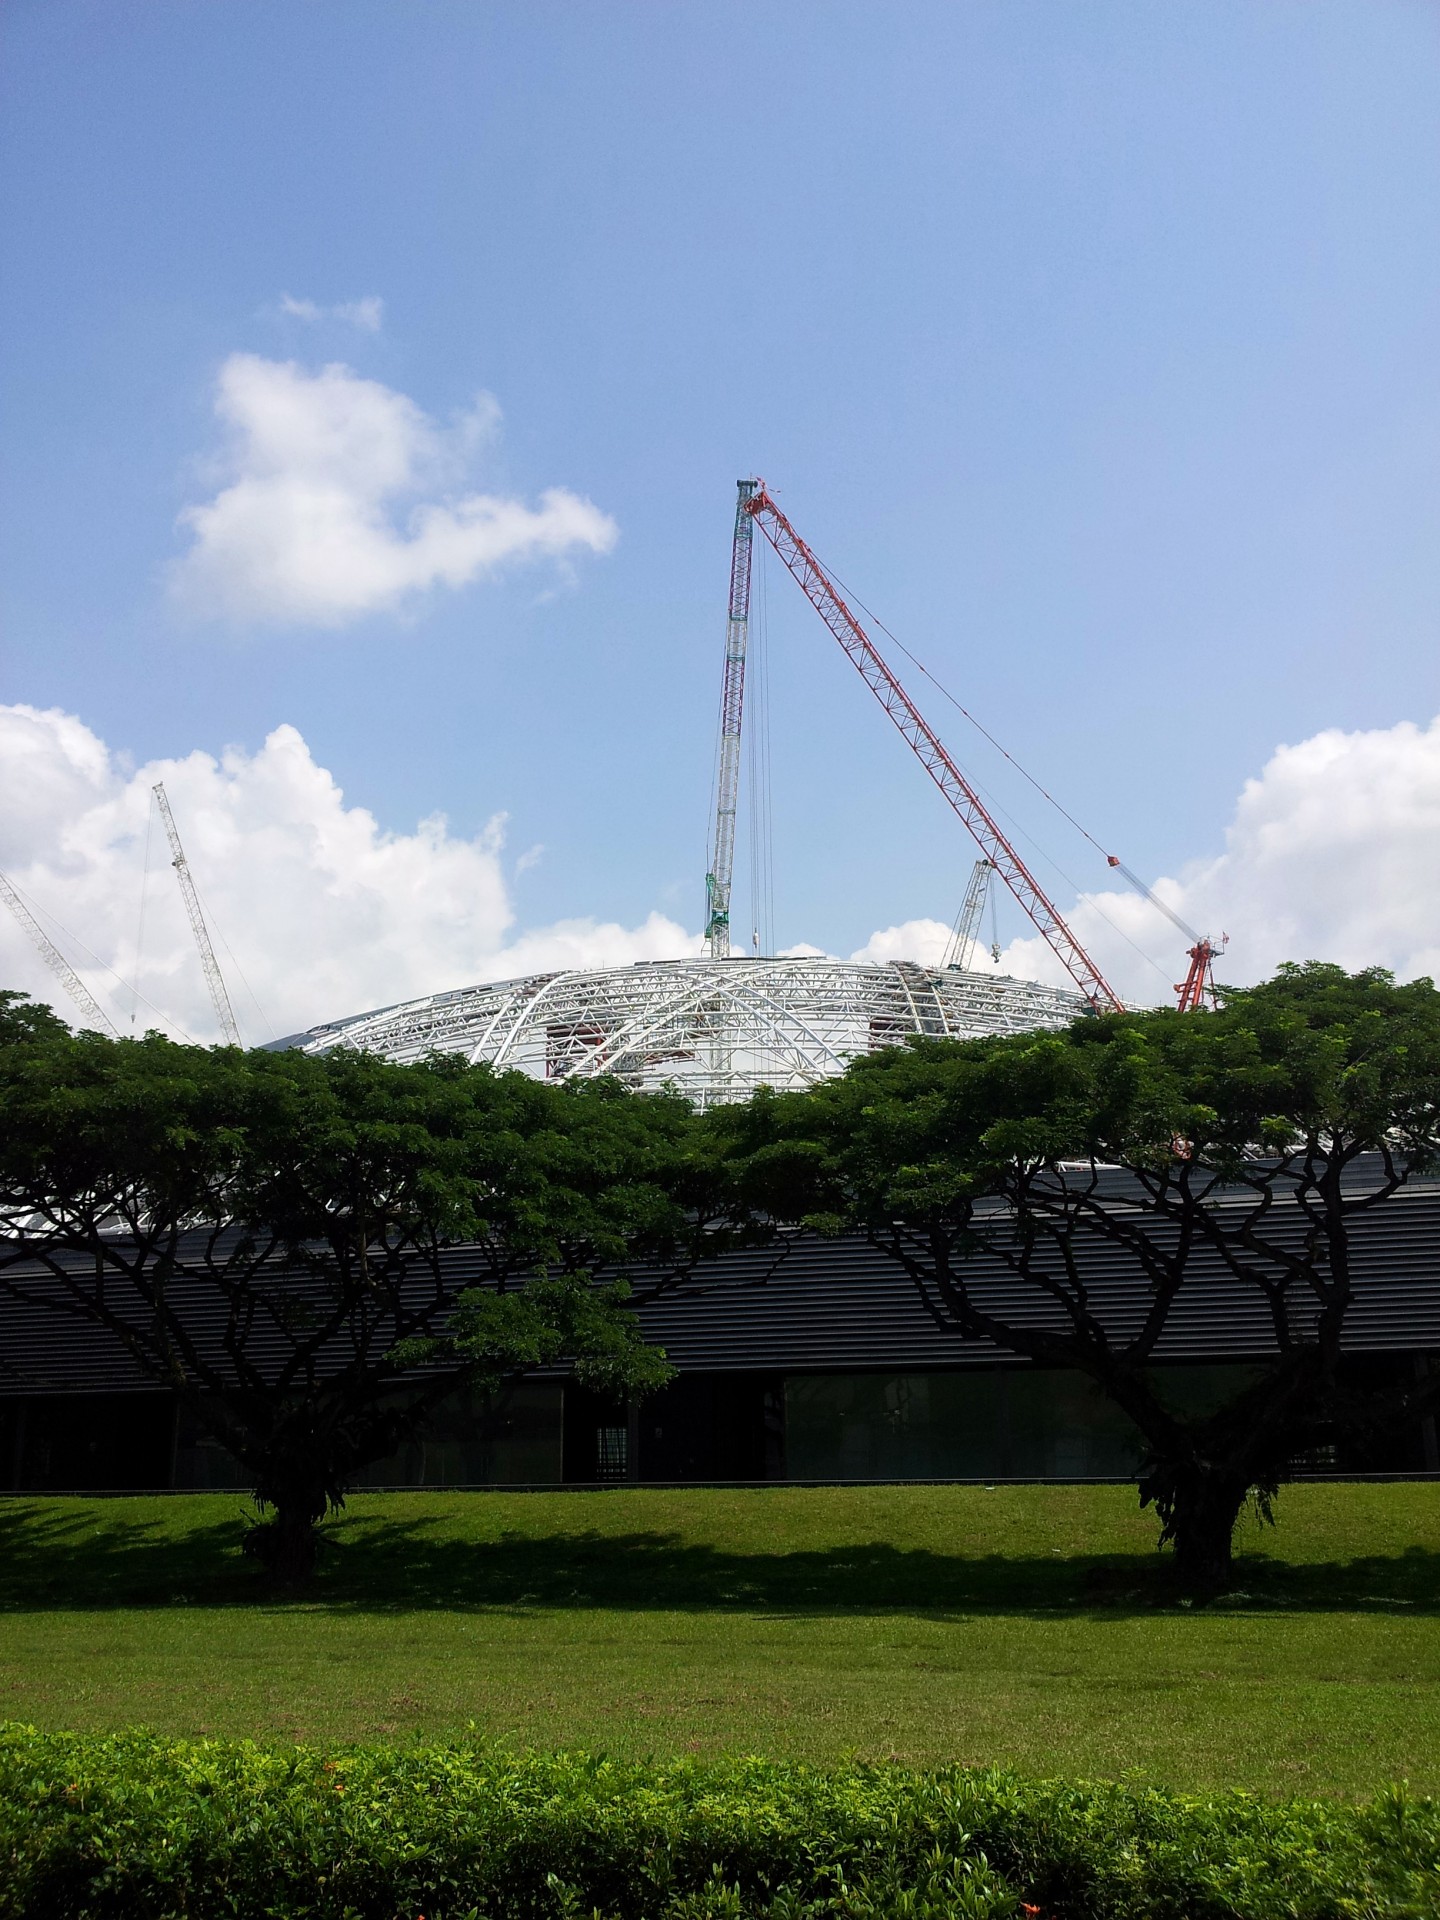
1025, 1626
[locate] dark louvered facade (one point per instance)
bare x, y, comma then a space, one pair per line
817, 1361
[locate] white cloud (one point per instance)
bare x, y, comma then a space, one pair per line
339, 500
326, 913
1331, 854
921, 940
367, 314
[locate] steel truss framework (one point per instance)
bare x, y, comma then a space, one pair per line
712, 1029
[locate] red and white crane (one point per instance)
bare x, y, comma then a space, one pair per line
756, 508
1198, 986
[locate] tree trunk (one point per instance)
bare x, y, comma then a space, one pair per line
1199, 1505
287, 1544
1204, 1534
298, 1494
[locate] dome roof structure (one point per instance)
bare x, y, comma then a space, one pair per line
711, 1029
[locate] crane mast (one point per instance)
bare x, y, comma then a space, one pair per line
732, 707
1198, 986
55, 960
961, 950
926, 744
214, 980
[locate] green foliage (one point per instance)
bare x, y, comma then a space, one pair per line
139, 1826
332, 1160
493, 1335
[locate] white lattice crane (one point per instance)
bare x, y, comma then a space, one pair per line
56, 961
963, 935
732, 703
214, 979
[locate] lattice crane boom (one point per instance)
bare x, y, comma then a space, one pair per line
732, 707
927, 746
961, 950
1198, 987
56, 961
214, 979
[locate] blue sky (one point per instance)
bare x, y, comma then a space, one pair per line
1093, 343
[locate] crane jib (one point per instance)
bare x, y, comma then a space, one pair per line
209, 965
928, 748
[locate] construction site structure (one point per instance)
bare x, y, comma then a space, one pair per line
1197, 989
713, 1033
721, 872
960, 952
716, 1028
927, 746
214, 979
56, 961
1198, 986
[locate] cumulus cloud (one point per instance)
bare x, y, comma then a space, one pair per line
340, 497
922, 940
1330, 855
367, 314
324, 913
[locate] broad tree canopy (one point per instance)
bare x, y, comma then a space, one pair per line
268, 1233
1254, 1135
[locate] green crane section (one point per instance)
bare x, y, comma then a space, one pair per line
732, 708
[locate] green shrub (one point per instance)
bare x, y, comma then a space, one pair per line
134, 1825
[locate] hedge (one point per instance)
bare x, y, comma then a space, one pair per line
135, 1825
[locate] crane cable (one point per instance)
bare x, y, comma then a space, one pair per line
1109, 858
758, 769
140, 925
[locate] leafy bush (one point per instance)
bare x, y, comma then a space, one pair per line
134, 1825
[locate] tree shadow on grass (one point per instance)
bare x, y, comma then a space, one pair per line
56, 1557
88, 1554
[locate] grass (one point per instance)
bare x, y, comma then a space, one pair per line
1019, 1626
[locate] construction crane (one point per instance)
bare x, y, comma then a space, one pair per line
220, 999
963, 935
732, 705
923, 740
1198, 986
56, 961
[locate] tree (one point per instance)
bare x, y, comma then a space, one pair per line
1254, 1138
273, 1235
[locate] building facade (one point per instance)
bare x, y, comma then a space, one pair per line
819, 1361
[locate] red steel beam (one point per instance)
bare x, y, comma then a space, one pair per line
820, 591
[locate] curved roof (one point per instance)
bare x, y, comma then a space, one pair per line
712, 1029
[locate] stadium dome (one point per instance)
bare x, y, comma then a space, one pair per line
711, 1029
